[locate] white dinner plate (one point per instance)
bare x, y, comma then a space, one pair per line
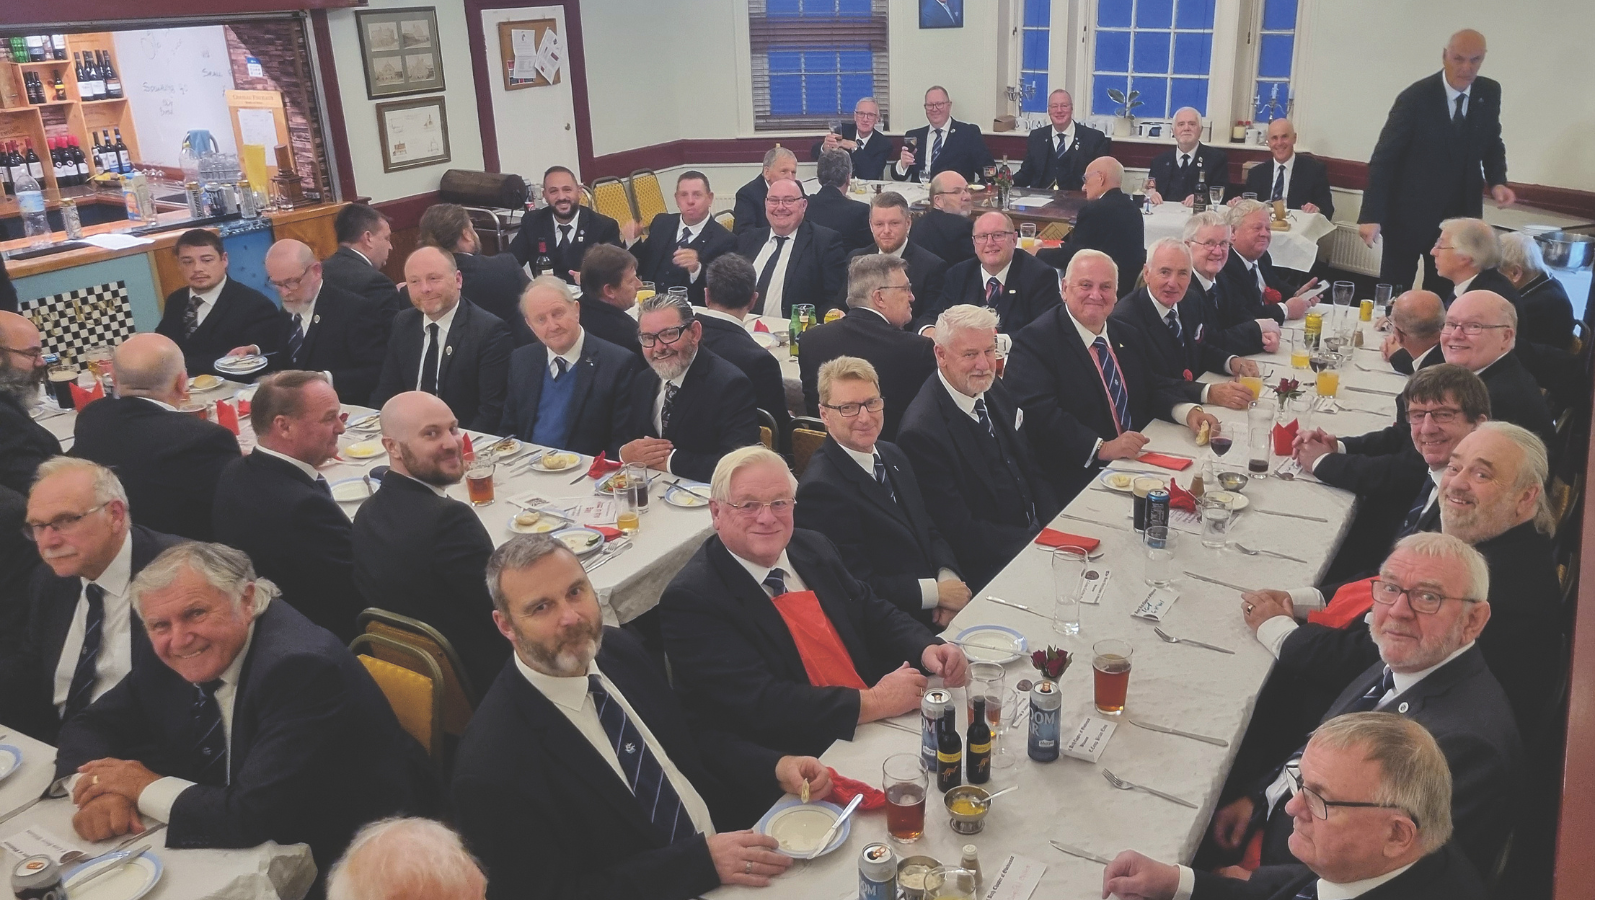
580, 540
364, 449
798, 827
201, 383
248, 364
369, 422
130, 882
546, 524
992, 643
678, 495
503, 448
765, 339
568, 460
10, 760
1118, 480
1236, 501
350, 490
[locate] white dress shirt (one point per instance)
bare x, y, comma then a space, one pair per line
572, 356
208, 300
116, 630
571, 696
791, 579
1194, 155
305, 467
773, 306
1071, 134
1450, 95
929, 586
444, 335
718, 314
925, 150
968, 405
898, 252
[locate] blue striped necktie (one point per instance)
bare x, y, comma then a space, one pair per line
1174, 326
640, 769
1114, 385
938, 145
297, 337
774, 583
210, 756
1369, 701
84, 674
1414, 515
881, 472
1309, 892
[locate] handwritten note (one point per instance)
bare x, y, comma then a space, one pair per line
1015, 879
256, 126
1156, 603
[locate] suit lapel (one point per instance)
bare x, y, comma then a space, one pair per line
753, 598
453, 341
959, 426
60, 609
585, 373
866, 484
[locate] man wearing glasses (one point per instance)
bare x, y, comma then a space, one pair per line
1480, 332
772, 637
1059, 153
945, 229
690, 408
1468, 254
24, 443
1015, 285
943, 145
1231, 322
868, 149
796, 261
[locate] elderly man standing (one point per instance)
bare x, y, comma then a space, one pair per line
1467, 254
263, 726
1412, 343
1109, 222
1300, 180
750, 201
868, 148
1370, 800
945, 229
680, 246
1248, 274
797, 261
1232, 324
830, 208
943, 145
1017, 286
1177, 174
890, 221
770, 634
1059, 153
400, 859
24, 443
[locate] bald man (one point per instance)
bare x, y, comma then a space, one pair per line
1015, 285
1436, 152
418, 551
24, 443
1059, 153
169, 462
1300, 180
1178, 174
1110, 222
945, 230
1412, 343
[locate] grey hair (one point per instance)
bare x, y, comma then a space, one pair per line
868, 273
107, 486
776, 153
138, 381
1437, 545
834, 168
869, 99
1168, 243
1194, 223
964, 317
743, 458
224, 568
667, 301
521, 552
1087, 256
1413, 774
1425, 322
549, 283
1532, 472
1521, 250
1474, 239
1238, 212
397, 858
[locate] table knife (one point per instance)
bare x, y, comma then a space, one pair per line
1290, 515
1362, 390
833, 829
1217, 581
1081, 854
1188, 734
1026, 609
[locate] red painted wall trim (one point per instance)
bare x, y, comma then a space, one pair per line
405, 212
91, 12
338, 140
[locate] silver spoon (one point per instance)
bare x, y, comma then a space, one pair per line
1249, 552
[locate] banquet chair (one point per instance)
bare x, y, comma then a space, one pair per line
769, 427
415, 691
805, 439
585, 197
725, 219
459, 697
611, 199
648, 201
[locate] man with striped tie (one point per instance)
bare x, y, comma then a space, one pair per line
579, 769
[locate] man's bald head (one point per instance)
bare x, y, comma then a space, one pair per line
399, 416
420, 433
292, 251
150, 365
16, 331
1493, 308
294, 272
1280, 139
950, 192
1495, 320
1101, 175
1463, 56
1419, 315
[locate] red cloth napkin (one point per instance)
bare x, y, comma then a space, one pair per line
608, 532
602, 466
1178, 498
761, 327
1283, 437
846, 789
1050, 243
244, 407
467, 453
1175, 463
1349, 603
1058, 539
82, 398
227, 416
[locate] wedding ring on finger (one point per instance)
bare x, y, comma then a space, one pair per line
748, 865
1249, 608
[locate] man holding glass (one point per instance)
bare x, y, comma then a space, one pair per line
868, 149
943, 145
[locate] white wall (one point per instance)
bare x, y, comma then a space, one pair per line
534, 127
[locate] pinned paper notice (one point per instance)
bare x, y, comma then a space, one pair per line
551, 53
256, 126
1156, 603
1015, 879
525, 50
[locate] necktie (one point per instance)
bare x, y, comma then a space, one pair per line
323, 486
1277, 186
640, 768
1414, 515
83, 674
210, 755
1460, 118
430, 361
561, 368
765, 280
1211, 296
1174, 326
982, 409
881, 472
1369, 701
774, 583
1183, 165
1061, 145
938, 144
1309, 892
297, 337
666, 407
991, 292
1114, 386
191, 315
566, 236
684, 240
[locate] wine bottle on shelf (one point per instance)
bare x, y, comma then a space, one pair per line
108, 152
112, 82
58, 46
97, 84
59, 86
66, 172
35, 167
35, 48
78, 76
79, 165
5, 171
35, 88
124, 159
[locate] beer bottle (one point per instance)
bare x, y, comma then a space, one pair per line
978, 742
949, 756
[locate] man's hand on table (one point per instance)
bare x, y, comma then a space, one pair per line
794, 771
651, 452
953, 598
1238, 365
1230, 394
1259, 606
1198, 417
747, 858
898, 692
1308, 448
1134, 876
124, 778
1154, 196
107, 816
1231, 825
1124, 446
946, 661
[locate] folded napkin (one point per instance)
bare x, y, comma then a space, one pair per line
602, 466
1178, 498
846, 789
1059, 539
227, 416
467, 453
761, 327
82, 398
1283, 437
1050, 244
608, 532
244, 407
1176, 463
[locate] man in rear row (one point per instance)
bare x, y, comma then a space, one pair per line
214, 314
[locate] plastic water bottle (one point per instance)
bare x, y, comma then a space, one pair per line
35, 223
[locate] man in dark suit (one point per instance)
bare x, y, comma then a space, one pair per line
568, 389
81, 636
1466, 255
494, 283
1177, 175
945, 229
730, 292
1353, 838
1439, 147
169, 462
880, 307
1248, 275
890, 220
1491, 354
1109, 222
446, 345
750, 201
421, 553
1412, 343
1017, 286
215, 314
1300, 180
797, 261
565, 228
611, 285
1233, 323
19, 559
943, 145
691, 407
868, 148
1545, 315
24, 443
830, 208
861, 493
770, 634
962, 434
8, 291
1059, 153
298, 745
1086, 387
679, 246
357, 266
275, 506
582, 719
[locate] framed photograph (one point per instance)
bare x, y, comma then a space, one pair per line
413, 133
400, 51
940, 14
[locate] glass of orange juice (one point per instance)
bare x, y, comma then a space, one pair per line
1327, 383
647, 289
1253, 382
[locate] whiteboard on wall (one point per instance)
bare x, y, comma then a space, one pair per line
175, 80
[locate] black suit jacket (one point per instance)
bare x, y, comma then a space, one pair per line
521, 752
472, 371
315, 751
589, 228
423, 555
816, 270
348, 269
609, 323
714, 412
19, 558
869, 157
1244, 291
495, 284
1229, 325
168, 462
1545, 315
24, 444
295, 534
654, 254
1308, 183
832, 209
903, 360
1181, 362
599, 411
944, 234
1113, 224
241, 316
1174, 184
1030, 290
345, 336
734, 344
1387, 485
1423, 170
1445, 874
8, 291
887, 543
735, 662
1492, 280
750, 205
925, 270
963, 151
1042, 168
1402, 362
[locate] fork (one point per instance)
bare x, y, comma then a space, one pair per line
610, 553
1250, 552
1178, 640
1121, 785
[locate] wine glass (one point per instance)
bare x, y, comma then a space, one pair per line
1221, 442
835, 126
1216, 195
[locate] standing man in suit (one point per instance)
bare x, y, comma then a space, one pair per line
169, 462
582, 720
830, 208
1017, 286
1110, 222
1439, 147
494, 283
275, 506
868, 148
680, 246
1412, 343
943, 145
1248, 273
770, 633
690, 408
566, 228
357, 266
890, 220
419, 552
297, 743
798, 261
945, 229
611, 286
24, 443
1059, 153
1467, 254
860, 492
81, 635
1232, 323
1370, 800
730, 292
880, 307
1545, 315
962, 434
1176, 174
1300, 180
750, 201
446, 345
215, 314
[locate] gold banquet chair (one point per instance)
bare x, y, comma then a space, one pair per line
459, 696
611, 199
806, 438
648, 201
415, 691
725, 219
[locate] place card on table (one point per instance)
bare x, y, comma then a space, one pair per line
1089, 739
597, 511
1015, 879
1094, 586
1156, 603
36, 840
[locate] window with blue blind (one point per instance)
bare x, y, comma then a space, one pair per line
1160, 48
1275, 60
1035, 77
818, 81
812, 60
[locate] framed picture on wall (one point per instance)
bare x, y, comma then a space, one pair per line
400, 51
940, 14
413, 133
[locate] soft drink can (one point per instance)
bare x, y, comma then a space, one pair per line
1044, 722
1157, 506
934, 703
37, 878
877, 865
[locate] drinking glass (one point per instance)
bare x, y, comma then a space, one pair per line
638, 482
986, 680
1066, 569
1253, 382
1248, 195
1029, 235
1260, 451
480, 482
905, 784
627, 509
62, 376
647, 289
678, 293
1216, 195
1158, 540
1214, 516
1383, 298
1113, 663
1343, 292
835, 125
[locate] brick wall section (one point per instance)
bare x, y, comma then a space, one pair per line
280, 47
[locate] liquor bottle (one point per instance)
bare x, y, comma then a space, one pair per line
53, 148
110, 78
78, 76
949, 755
108, 152
79, 165
58, 46
124, 159
5, 171
35, 48
27, 87
59, 86
543, 264
35, 167
979, 741
97, 84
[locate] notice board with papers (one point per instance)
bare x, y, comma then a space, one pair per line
531, 53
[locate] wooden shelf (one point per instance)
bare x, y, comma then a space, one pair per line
75, 118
